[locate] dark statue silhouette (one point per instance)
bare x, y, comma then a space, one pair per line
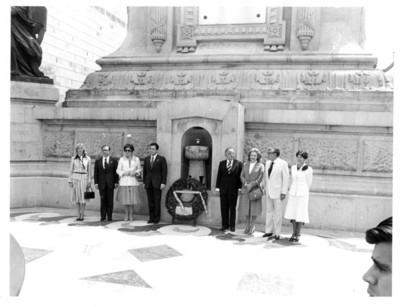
28, 25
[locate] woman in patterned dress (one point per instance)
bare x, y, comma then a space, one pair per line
128, 170
79, 179
297, 206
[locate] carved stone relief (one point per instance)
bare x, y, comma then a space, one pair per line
238, 80
378, 156
276, 30
306, 17
272, 32
263, 141
313, 80
331, 154
93, 140
58, 143
158, 31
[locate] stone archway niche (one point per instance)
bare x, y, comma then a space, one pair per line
216, 123
197, 155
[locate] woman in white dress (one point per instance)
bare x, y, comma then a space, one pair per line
128, 170
79, 179
297, 206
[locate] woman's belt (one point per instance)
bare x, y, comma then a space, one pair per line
78, 173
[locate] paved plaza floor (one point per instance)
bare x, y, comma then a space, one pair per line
169, 264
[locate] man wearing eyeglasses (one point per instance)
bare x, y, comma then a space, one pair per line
154, 179
106, 180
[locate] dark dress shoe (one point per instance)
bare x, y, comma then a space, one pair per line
232, 229
150, 221
102, 220
277, 237
78, 219
110, 220
265, 235
223, 228
156, 222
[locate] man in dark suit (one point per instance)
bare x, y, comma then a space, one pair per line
154, 179
228, 185
106, 180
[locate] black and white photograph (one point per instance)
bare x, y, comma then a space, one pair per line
208, 153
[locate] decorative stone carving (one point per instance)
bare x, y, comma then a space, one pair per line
93, 140
313, 80
378, 156
265, 141
186, 41
223, 78
276, 30
238, 80
181, 78
141, 79
140, 139
58, 143
306, 17
362, 80
158, 32
190, 33
331, 154
267, 78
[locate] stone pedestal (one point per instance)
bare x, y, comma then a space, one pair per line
299, 80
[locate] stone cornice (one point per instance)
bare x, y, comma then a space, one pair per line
288, 61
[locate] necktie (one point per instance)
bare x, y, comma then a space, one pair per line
229, 167
270, 169
105, 163
152, 161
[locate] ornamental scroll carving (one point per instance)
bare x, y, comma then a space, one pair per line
272, 32
158, 31
306, 19
309, 80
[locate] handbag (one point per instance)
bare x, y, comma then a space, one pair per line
255, 193
89, 194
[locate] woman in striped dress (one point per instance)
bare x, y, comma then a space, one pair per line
79, 179
129, 171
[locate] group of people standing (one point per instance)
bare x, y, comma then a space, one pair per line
235, 179
123, 174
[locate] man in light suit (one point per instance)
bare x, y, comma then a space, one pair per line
106, 180
154, 179
228, 184
276, 183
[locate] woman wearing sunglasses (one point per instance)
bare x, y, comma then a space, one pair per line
129, 170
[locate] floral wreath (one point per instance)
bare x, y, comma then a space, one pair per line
197, 203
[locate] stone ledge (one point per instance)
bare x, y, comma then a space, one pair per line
118, 114
310, 59
367, 119
33, 92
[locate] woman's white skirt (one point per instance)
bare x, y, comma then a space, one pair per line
297, 208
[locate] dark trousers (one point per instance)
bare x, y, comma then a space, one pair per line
228, 209
106, 203
154, 201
